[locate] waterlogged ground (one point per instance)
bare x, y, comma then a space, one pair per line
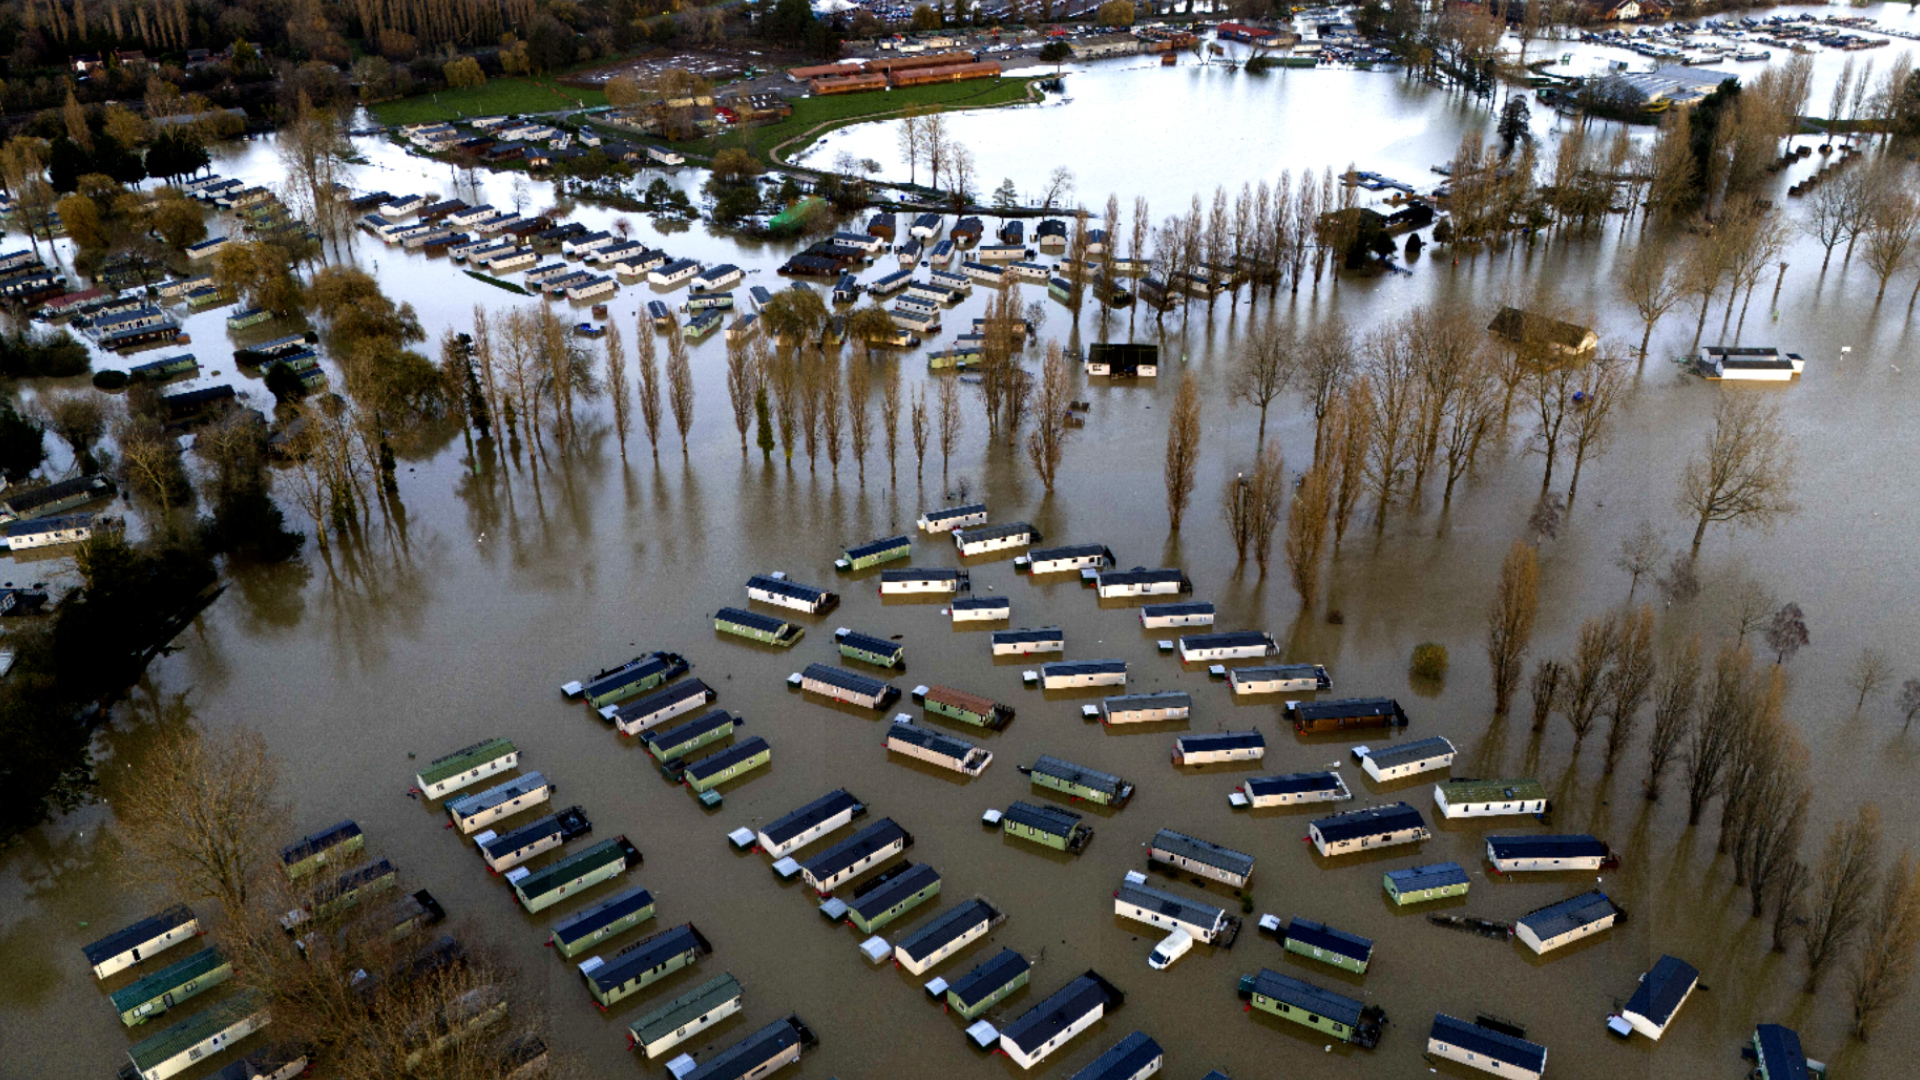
460, 620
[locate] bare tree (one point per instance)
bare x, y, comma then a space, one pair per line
619, 388
1892, 933
680, 385
1587, 677
1872, 671
1829, 212
79, 420
1842, 890
1653, 285
1729, 694
784, 375
1789, 902
193, 815
1743, 473
890, 420
743, 382
1183, 449
1047, 442
951, 423
833, 411
1267, 496
1639, 555
1307, 531
1674, 694
1909, 702
1264, 369
1349, 433
1628, 681
1787, 632
813, 378
1893, 226
1777, 821
859, 413
1510, 619
1760, 742
649, 360
918, 422
1548, 690
1236, 506
1393, 419
1137, 247
1601, 384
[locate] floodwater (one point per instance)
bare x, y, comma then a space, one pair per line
461, 620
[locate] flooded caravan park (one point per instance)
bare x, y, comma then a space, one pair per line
461, 619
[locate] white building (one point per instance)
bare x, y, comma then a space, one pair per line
1490, 798
1402, 760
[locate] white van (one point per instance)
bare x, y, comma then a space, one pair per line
1173, 948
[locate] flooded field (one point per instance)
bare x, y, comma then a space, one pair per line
461, 620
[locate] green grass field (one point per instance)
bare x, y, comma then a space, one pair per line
499, 97
815, 116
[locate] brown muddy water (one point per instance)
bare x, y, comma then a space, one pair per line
461, 620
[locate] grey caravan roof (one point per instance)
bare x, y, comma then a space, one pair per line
980, 983
1201, 851
810, 815
1293, 783
1077, 774
951, 924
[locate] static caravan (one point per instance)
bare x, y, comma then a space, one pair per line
950, 518
735, 761
1311, 1006
1048, 826
1078, 674
1778, 1050
962, 706
1153, 708
1280, 679
1053, 1023
981, 609
1140, 581
1570, 920
1219, 746
1061, 560
916, 580
1166, 911
669, 744
597, 285
758, 1055
471, 813
1434, 881
1490, 798
1763, 363
1661, 992
676, 1021
1079, 782
1368, 828
1135, 1057
449, 773
1165, 616
1202, 857
889, 896
1026, 641
1230, 645
636, 676
156, 993
869, 649
504, 851
675, 273
717, 277
540, 889
640, 262
1123, 361
1518, 854
588, 927
637, 716
945, 934
983, 272
1318, 941
937, 748
985, 539
891, 283
850, 857
875, 552
198, 1037
796, 830
1483, 1048
1294, 788
992, 982
643, 963
314, 850
1407, 759
848, 686
1342, 713
779, 590
143, 940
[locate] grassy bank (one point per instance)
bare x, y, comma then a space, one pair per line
498, 97
815, 116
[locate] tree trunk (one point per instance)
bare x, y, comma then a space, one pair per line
1699, 534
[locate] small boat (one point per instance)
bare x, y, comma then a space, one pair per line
591, 330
